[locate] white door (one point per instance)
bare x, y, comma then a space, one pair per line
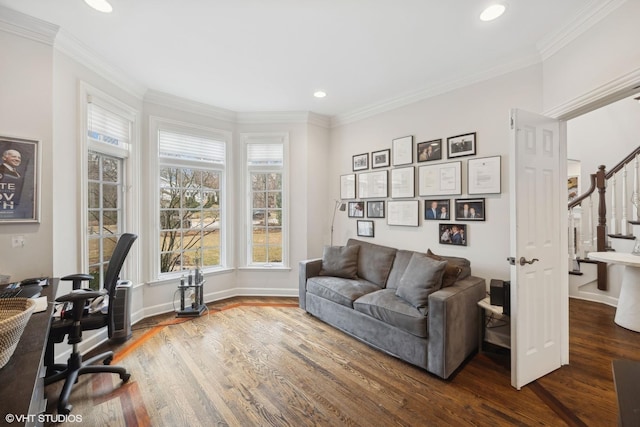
539, 275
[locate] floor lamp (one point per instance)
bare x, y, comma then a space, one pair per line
339, 206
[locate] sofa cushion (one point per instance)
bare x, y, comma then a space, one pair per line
399, 266
387, 307
463, 263
338, 290
374, 261
422, 277
340, 261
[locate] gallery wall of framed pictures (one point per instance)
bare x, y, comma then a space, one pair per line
410, 181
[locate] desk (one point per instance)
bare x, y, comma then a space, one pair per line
628, 310
22, 378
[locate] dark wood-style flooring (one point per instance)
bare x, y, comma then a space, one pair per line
265, 362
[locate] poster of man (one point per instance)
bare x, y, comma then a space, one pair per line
18, 180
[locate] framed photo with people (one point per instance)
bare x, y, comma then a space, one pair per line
437, 209
430, 150
19, 180
470, 210
461, 145
453, 234
356, 210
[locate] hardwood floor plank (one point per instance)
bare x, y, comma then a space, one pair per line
265, 362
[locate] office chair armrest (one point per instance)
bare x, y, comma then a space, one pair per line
77, 279
79, 298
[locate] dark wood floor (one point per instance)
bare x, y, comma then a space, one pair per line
264, 362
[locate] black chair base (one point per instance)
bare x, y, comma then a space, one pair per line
74, 368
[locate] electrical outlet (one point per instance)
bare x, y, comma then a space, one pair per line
17, 241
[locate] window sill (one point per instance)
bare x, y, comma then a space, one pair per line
264, 268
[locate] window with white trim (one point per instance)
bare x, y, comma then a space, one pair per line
108, 142
191, 174
267, 201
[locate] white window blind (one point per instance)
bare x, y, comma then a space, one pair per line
190, 147
108, 128
265, 154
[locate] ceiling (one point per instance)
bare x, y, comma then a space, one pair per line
271, 55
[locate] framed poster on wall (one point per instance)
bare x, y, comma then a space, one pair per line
19, 175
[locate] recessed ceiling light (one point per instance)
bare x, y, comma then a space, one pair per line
492, 12
100, 5
320, 94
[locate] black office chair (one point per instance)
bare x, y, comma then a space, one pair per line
82, 320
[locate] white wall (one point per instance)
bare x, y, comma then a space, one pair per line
604, 137
482, 108
607, 51
26, 112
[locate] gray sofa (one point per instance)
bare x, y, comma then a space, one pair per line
402, 302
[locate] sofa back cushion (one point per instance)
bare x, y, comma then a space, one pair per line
340, 261
421, 278
374, 261
399, 266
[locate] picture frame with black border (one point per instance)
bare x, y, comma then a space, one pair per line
348, 186
402, 150
380, 159
484, 175
437, 209
461, 145
403, 182
470, 209
365, 228
429, 150
375, 209
453, 234
356, 210
373, 185
360, 162
440, 179
403, 212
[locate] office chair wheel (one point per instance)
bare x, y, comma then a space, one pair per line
107, 361
125, 377
66, 410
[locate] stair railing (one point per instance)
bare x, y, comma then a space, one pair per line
582, 239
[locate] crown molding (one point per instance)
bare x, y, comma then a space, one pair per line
81, 53
590, 15
186, 105
27, 26
300, 117
612, 91
437, 89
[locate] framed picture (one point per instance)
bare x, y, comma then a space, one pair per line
483, 175
441, 179
437, 209
356, 210
380, 159
430, 150
403, 151
453, 234
361, 162
348, 186
373, 185
403, 182
461, 145
19, 180
365, 228
470, 210
403, 212
375, 209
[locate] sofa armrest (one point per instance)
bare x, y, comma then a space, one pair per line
453, 324
308, 268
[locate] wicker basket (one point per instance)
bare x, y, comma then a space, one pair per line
14, 315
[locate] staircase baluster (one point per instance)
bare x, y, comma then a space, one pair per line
572, 235
623, 219
634, 197
614, 221
591, 236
